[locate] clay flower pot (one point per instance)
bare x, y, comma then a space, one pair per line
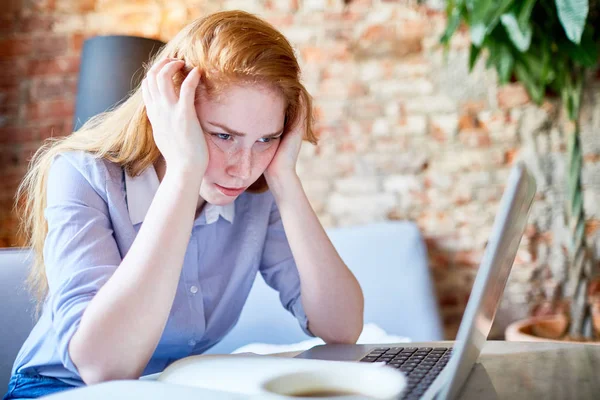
547, 328
537, 329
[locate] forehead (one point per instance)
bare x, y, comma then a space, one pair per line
253, 109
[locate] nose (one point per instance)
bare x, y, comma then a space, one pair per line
240, 165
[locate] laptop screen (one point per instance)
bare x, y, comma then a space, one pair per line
491, 279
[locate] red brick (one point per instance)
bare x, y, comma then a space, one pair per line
9, 115
281, 21
12, 179
312, 55
10, 93
76, 42
468, 121
16, 135
8, 158
44, 5
591, 227
13, 70
36, 24
51, 87
44, 109
55, 129
8, 24
345, 16
512, 95
51, 45
414, 29
79, 6
11, 6
54, 66
468, 258
15, 47
510, 156
448, 300
475, 137
27, 150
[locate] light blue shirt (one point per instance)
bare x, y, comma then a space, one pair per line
94, 211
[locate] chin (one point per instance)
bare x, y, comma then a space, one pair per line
215, 197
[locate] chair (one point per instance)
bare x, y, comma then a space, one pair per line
16, 309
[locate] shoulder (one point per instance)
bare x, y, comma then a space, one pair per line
89, 166
79, 168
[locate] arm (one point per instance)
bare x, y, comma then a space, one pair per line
331, 295
124, 321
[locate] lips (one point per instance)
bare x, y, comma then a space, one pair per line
230, 191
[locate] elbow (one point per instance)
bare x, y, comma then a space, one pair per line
93, 369
93, 374
350, 337
347, 334
354, 333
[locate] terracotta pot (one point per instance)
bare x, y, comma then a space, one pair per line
596, 316
543, 329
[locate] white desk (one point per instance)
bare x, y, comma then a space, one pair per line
505, 370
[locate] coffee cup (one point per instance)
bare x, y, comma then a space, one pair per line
345, 381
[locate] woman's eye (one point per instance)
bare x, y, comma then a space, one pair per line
223, 136
268, 139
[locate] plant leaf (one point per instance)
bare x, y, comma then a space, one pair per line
473, 56
525, 12
519, 36
586, 53
494, 16
535, 90
504, 63
484, 18
572, 15
453, 23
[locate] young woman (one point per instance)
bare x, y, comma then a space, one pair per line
151, 222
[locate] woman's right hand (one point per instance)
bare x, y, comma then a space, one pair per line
175, 125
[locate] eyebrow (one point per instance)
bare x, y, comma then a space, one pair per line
236, 133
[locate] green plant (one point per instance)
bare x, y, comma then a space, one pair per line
548, 46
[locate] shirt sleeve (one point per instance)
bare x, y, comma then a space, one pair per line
279, 270
80, 252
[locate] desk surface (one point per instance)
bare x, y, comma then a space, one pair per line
505, 370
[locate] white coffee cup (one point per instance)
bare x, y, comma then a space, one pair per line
340, 383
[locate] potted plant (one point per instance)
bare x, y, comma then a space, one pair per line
550, 47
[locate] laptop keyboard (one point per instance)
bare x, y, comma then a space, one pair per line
421, 365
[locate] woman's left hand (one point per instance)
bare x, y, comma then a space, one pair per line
284, 161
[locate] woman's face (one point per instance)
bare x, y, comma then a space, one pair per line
243, 128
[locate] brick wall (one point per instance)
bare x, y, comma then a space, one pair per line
405, 133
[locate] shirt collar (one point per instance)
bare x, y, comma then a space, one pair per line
142, 188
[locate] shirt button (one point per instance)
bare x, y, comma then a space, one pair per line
194, 289
192, 342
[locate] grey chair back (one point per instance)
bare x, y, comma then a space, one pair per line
389, 260
16, 309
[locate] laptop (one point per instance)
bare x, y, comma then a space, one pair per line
436, 372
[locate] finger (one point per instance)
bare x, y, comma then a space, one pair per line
188, 87
165, 80
151, 77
